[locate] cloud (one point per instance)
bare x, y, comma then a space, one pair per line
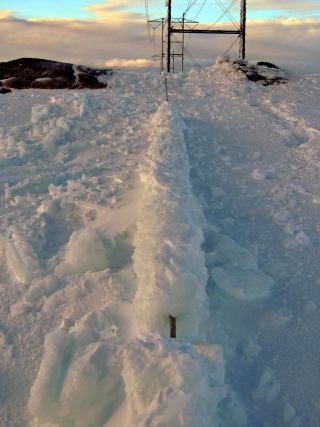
122, 34
293, 40
102, 10
293, 6
120, 39
139, 63
6, 14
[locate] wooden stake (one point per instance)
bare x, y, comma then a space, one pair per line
173, 328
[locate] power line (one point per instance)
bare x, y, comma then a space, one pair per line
182, 26
189, 5
188, 53
200, 9
227, 13
231, 46
147, 18
222, 15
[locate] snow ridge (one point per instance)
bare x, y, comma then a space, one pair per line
168, 259
168, 382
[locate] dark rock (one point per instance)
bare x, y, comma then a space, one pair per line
4, 89
33, 73
268, 64
254, 73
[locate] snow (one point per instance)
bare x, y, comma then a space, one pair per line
169, 381
119, 209
168, 259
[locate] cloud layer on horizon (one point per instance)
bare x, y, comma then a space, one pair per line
285, 5
120, 39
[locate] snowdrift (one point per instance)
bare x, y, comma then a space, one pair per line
168, 259
87, 372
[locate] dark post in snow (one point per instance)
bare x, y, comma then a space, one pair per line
173, 327
169, 35
242, 46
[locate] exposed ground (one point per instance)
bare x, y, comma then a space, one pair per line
34, 73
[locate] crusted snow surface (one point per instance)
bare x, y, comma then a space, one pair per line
82, 176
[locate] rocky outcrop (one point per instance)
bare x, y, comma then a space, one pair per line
264, 73
33, 73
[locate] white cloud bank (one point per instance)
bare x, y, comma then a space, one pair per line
119, 39
293, 6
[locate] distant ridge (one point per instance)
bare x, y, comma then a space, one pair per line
35, 73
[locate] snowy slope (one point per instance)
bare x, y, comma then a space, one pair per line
109, 199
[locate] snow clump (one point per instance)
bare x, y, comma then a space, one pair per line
79, 381
85, 251
236, 272
168, 380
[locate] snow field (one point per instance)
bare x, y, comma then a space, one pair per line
69, 382
68, 327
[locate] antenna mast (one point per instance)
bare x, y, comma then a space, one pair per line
182, 26
242, 45
168, 35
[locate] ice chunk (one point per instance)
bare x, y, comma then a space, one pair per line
85, 251
235, 271
232, 412
296, 422
7, 191
54, 138
168, 382
310, 307
258, 174
18, 309
37, 130
18, 129
11, 142
275, 318
213, 356
22, 259
79, 381
22, 147
170, 408
228, 251
303, 239
49, 206
252, 350
242, 284
289, 413
269, 388
39, 113
61, 122
45, 286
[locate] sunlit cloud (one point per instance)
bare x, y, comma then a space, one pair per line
139, 63
120, 39
284, 5
6, 14
67, 39
102, 10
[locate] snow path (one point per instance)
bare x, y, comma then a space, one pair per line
254, 153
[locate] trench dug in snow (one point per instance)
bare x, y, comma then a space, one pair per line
102, 372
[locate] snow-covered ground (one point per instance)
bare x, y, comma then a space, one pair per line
119, 209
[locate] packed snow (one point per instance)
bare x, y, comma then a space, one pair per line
119, 209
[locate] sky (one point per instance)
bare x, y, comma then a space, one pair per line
114, 32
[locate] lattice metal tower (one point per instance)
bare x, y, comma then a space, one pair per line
181, 26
